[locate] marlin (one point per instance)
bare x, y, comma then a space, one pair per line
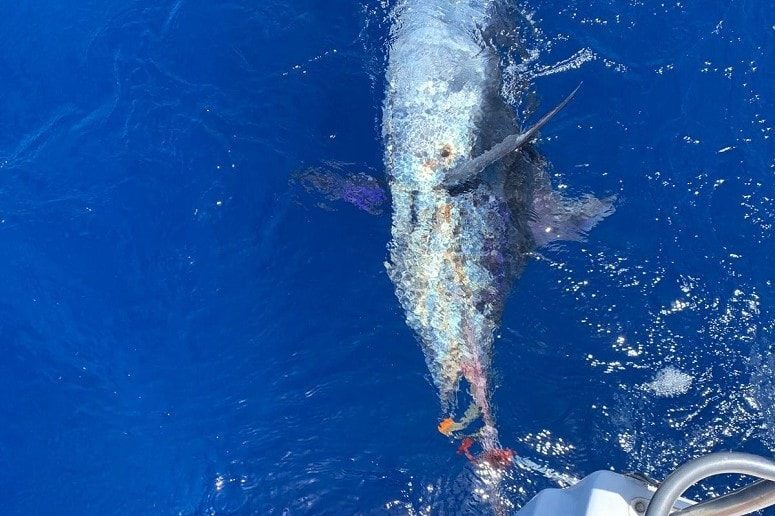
471, 198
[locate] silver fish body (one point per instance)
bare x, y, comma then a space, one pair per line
455, 252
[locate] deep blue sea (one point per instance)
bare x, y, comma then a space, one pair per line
182, 331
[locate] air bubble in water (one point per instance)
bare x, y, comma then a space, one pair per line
669, 382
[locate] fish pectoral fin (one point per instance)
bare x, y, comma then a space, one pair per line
334, 182
556, 217
469, 169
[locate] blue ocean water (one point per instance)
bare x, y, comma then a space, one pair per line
182, 333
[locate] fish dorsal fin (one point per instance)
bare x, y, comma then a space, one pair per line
465, 171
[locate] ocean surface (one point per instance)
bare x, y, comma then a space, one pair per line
185, 331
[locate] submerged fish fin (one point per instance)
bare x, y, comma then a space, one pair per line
333, 182
469, 169
556, 217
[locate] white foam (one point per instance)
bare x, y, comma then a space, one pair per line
669, 382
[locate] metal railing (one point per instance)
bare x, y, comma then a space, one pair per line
743, 501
